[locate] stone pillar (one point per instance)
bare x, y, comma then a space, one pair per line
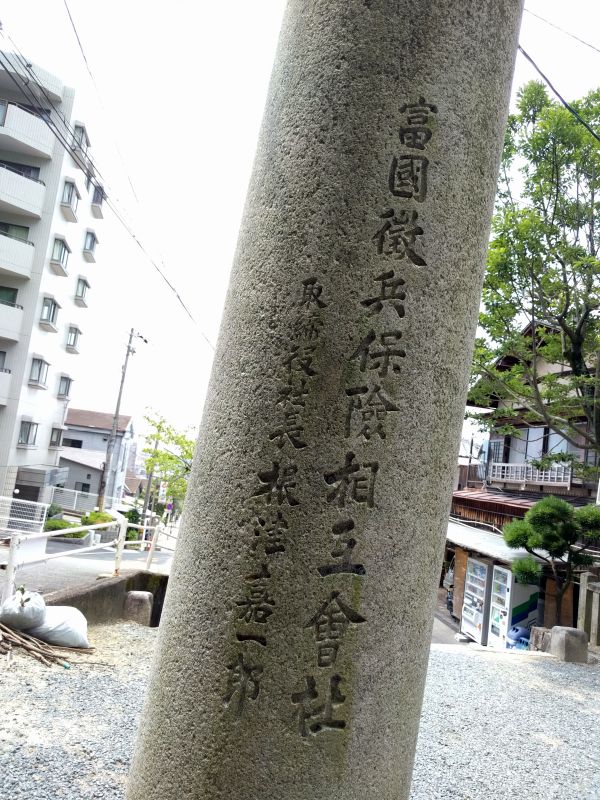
295, 636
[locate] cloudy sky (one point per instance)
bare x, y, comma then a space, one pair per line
174, 111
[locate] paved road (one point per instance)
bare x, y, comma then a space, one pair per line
62, 573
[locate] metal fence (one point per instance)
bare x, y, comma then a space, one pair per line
71, 500
21, 515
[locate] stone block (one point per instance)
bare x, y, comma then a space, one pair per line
138, 607
569, 644
540, 639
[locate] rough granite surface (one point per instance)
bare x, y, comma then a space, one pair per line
295, 634
493, 725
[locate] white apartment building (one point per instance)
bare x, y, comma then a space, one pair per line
50, 212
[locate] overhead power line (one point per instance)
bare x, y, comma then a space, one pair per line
569, 108
25, 89
562, 30
89, 69
79, 42
32, 100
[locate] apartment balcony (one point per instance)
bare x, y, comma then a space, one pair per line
11, 320
20, 195
38, 78
556, 475
5, 378
16, 256
25, 133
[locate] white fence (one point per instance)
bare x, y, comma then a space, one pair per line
22, 522
71, 500
21, 515
556, 475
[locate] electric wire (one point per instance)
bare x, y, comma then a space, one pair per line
562, 30
569, 108
24, 63
89, 69
30, 97
79, 41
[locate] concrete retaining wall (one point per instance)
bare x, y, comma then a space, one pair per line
104, 600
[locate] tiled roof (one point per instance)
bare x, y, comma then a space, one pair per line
82, 418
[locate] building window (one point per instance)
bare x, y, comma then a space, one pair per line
82, 287
98, 195
39, 371
80, 137
64, 386
56, 437
82, 487
8, 296
73, 338
78, 443
28, 433
70, 195
3, 361
14, 231
49, 310
60, 252
90, 241
27, 171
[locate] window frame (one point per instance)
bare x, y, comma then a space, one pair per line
81, 295
60, 240
69, 383
49, 302
94, 241
73, 332
41, 376
74, 192
53, 436
31, 428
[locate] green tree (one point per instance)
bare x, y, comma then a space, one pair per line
559, 537
169, 455
540, 297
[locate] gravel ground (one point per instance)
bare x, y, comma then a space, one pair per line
494, 726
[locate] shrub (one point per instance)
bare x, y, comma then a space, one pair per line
57, 524
96, 517
53, 510
134, 516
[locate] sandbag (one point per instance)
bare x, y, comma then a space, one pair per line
23, 611
64, 625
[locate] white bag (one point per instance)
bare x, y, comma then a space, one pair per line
22, 611
64, 626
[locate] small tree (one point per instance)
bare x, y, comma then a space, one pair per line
557, 534
538, 359
169, 455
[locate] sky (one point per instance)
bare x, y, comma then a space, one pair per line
173, 112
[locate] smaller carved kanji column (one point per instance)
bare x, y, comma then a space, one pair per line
295, 635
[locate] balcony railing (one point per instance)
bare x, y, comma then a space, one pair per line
17, 238
556, 475
9, 303
20, 172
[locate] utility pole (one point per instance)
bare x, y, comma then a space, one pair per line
115, 422
149, 482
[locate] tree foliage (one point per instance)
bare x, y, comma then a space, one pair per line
559, 537
540, 297
169, 455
